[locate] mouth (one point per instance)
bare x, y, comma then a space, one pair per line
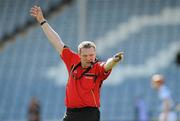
88, 63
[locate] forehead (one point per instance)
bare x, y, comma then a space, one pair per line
85, 51
157, 78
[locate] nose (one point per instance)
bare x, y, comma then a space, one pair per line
89, 58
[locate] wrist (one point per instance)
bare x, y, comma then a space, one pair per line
43, 22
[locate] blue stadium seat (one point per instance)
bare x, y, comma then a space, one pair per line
133, 27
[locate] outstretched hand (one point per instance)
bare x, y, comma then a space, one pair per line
118, 56
36, 12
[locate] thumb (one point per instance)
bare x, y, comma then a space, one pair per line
118, 56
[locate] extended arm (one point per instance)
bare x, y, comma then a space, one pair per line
52, 36
111, 62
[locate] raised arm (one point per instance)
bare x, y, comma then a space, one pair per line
52, 36
111, 62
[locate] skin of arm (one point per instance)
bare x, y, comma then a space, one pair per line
166, 108
52, 36
111, 62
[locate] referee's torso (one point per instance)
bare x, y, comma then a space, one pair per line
83, 86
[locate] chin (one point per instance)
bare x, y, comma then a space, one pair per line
87, 65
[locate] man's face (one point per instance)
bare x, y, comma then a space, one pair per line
87, 56
157, 81
156, 85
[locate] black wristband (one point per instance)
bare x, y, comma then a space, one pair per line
115, 57
43, 22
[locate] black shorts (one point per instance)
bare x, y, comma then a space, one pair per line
82, 114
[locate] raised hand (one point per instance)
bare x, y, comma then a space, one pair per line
37, 13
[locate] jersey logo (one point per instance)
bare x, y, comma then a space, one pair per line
89, 77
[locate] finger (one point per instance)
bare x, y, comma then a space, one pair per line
34, 15
119, 55
35, 6
122, 56
39, 10
33, 12
121, 52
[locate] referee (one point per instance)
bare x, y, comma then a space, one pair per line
86, 74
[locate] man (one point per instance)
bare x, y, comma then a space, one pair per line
34, 110
167, 113
86, 74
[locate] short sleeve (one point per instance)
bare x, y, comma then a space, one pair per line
164, 93
68, 56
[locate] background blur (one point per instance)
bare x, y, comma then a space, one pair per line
146, 30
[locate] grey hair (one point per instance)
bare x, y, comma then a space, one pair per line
86, 44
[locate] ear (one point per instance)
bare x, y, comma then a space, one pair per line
79, 51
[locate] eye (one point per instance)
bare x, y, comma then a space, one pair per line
91, 55
84, 56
